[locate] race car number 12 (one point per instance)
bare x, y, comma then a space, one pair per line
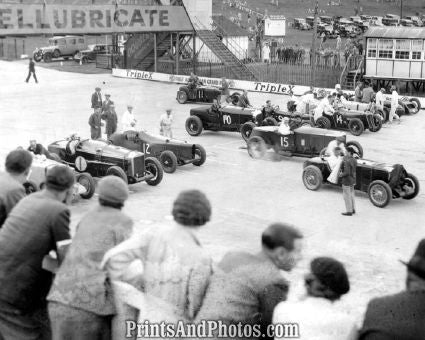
227, 119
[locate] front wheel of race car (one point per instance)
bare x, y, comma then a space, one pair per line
412, 182
379, 193
312, 177
323, 123
383, 113
30, 187
194, 125
257, 147
182, 97
117, 171
234, 98
200, 155
377, 121
87, 181
356, 126
358, 149
153, 166
246, 130
168, 161
417, 103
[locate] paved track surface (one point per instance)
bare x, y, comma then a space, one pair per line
246, 194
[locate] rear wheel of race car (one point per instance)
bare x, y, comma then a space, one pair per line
153, 166
234, 98
194, 126
87, 181
117, 171
323, 123
257, 147
270, 121
200, 155
356, 126
412, 182
182, 97
380, 193
246, 130
168, 161
47, 57
416, 102
377, 120
30, 187
358, 149
383, 114
312, 177
56, 53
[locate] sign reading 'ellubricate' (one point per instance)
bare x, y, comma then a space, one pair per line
77, 19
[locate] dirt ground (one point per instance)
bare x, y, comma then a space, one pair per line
246, 194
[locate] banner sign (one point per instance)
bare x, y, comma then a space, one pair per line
77, 19
263, 87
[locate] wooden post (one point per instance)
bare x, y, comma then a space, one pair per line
313, 46
155, 52
177, 52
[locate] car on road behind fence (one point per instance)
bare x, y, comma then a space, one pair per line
170, 152
382, 182
60, 46
89, 55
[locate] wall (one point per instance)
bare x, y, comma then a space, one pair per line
237, 45
201, 9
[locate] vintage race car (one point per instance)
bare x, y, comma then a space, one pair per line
170, 152
380, 181
353, 120
84, 186
100, 158
202, 94
304, 141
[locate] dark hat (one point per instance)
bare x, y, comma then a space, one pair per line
18, 161
350, 149
107, 95
191, 208
280, 235
417, 263
331, 273
112, 189
97, 89
60, 178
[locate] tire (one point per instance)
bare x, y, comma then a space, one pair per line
380, 193
37, 57
246, 130
413, 182
257, 147
309, 124
117, 171
417, 103
154, 167
383, 114
56, 53
270, 121
200, 151
47, 57
357, 147
30, 187
323, 123
194, 126
168, 161
234, 98
377, 119
182, 97
84, 60
87, 181
356, 126
312, 177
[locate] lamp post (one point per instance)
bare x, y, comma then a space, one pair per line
313, 45
401, 9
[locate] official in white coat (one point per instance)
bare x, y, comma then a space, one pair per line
129, 120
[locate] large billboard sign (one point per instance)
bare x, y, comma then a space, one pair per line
23, 19
275, 26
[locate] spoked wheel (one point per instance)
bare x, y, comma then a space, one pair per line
182, 97
377, 122
257, 147
168, 161
417, 103
117, 171
323, 123
246, 130
358, 149
194, 126
356, 126
153, 166
56, 53
412, 184
380, 193
200, 155
47, 57
87, 181
312, 177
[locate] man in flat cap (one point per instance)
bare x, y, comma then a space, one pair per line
38, 224
402, 315
80, 301
111, 119
165, 124
325, 284
95, 122
96, 99
18, 164
106, 103
246, 287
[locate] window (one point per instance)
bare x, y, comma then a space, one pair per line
385, 47
416, 55
417, 48
72, 41
402, 54
402, 47
371, 47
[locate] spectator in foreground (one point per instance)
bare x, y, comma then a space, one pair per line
176, 269
316, 314
402, 315
246, 287
80, 301
18, 165
38, 224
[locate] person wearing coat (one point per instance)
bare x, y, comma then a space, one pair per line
81, 304
224, 90
96, 99
95, 122
402, 315
107, 103
110, 116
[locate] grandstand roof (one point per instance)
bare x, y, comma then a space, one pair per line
396, 32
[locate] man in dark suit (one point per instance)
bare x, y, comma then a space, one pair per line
348, 175
246, 287
110, 116
400, 316
96, 99
95, 122
243, 100
107, 103
31, 71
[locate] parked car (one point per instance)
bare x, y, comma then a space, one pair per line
415, 20
326, 19
301, 24
310, 20
202, 94
382, 182
302, 142
365, 17
390, 21
84, 186
406, 23
60, 46
90, 54
100, 158
170, 152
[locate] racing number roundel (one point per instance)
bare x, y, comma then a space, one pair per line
80, 163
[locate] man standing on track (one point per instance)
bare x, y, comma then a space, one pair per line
95, 122
96, 99
165, 124
110, 116
31, 71
379, 100
394, 104
348, 175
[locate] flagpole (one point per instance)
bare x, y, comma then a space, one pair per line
313, 45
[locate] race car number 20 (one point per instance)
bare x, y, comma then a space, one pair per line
227, 119
284, 142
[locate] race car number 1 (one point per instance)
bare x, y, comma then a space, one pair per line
227, 119
284, 142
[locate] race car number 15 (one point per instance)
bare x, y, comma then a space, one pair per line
227, 119
284, 142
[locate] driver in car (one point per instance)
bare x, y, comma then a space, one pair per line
284, 128
243, 100
193, 82
266, 112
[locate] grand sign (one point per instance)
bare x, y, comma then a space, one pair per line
76, 19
